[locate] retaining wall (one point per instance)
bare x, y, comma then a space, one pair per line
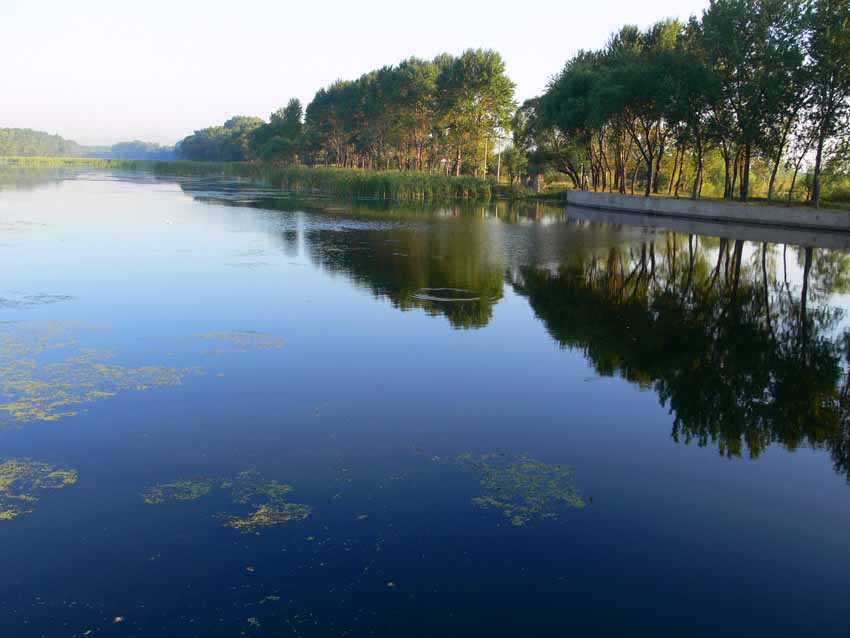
759, 214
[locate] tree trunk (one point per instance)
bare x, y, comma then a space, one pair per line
818, 162
695, 192
793, 182
772, 183
634, 176
657, 174
681, 173
727, 182
675, 166
745, 174
735, 167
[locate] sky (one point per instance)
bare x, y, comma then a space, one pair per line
101, 71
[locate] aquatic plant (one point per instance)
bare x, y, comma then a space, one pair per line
244, 340
189, 490
267, 515
34, 390
521, 487
22, 479
17, 300
345, 182
266, 499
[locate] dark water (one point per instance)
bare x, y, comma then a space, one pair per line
493, 420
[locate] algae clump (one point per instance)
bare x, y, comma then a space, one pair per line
22, 479
177, 491
35, 389
267, 499
243, 340
521, 487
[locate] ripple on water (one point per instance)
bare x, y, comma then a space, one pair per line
446, 294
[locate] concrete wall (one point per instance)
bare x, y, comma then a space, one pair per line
759, 214
747, 232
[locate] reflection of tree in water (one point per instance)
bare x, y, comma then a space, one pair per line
449, 270
742, 357
13, 177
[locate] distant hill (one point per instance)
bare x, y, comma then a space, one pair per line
25, 142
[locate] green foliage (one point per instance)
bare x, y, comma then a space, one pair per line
829, 51
230, 142
418, 115
133, 150
24, 142
28, 143
387, 185
757, 83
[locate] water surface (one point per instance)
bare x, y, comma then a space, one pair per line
225, 411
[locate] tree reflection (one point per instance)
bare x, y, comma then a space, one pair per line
741, 357
453, 271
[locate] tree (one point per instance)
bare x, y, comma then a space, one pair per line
282, 138
230, 142
829, 54
26, 142
755, 48
476, 101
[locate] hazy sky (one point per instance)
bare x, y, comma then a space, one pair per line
101, 71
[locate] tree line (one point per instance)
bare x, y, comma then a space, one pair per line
753, 95
24, 142
445, 114
751, 81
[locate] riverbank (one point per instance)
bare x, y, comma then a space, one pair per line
715, 211
343, 182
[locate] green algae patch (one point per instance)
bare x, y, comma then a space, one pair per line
266, 500
21, 482
521, 487
45, 374
177, 491
242, 341
267, 515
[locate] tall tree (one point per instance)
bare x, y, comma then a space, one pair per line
755, 48
829, 53
476, 101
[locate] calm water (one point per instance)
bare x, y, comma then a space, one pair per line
492, 421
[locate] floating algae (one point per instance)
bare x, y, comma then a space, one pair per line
267, 515
520, 486
17, 300
266, 499
177, 491
243, 340
22, 479
32, 389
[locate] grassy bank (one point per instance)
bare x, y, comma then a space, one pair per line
390, 185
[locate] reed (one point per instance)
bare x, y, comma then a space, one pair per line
344, 182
